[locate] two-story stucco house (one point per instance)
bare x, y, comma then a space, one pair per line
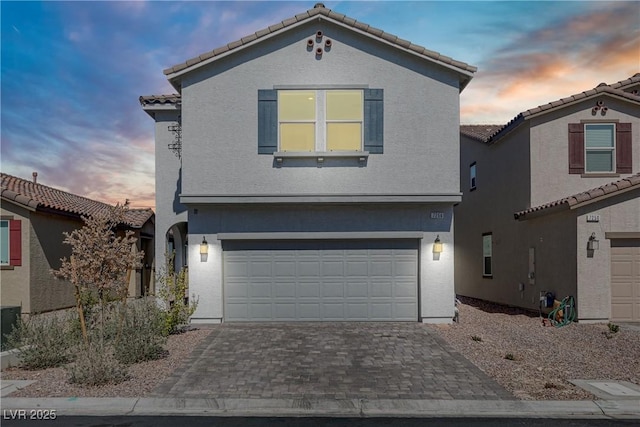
552, 204
306, 172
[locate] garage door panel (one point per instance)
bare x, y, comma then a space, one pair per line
332, 268
306, 290
333, 290
625, 280
357, 289
285, 289
381, 289
320, 280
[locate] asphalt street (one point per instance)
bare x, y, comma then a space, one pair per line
200, 421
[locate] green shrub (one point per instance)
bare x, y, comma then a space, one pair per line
95, 365
509, 356
142, 333
45, 341
173, 291
613, 328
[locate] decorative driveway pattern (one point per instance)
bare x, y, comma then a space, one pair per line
328, 361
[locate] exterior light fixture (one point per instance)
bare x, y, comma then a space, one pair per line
593, 243
204, 247
437, 245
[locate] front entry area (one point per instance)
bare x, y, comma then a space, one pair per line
320, 280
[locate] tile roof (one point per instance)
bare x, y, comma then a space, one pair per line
38, 196
173, 99
321, 11
481, 133
602, 88
630, 183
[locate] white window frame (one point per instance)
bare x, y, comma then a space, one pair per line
473, 176
8, 254
489, 255
321, 121
611, 149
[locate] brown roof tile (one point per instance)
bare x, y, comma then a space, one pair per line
320, 9
481, 133
38, 196
625, 184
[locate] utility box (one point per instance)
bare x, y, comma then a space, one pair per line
9, 320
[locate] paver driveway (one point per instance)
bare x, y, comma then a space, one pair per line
328, 361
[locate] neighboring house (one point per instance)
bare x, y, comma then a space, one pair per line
33, 218
316, 162
552, 204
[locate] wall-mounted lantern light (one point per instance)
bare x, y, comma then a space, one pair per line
593, 243
204, 247
437, 245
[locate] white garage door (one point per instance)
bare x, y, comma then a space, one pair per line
360, 280
625, 280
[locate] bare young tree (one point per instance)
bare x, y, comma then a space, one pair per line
101, 262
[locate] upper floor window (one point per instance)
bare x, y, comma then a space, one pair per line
320, 120
596, 148
600, 147
472, 176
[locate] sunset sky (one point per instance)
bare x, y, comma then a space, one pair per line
72, 72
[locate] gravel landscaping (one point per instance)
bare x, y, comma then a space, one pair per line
543, 357
510, 345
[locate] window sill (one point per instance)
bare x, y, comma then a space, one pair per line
320, 156
6, 267
487, 276
600, 175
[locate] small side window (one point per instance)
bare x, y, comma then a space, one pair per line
487, 255
472, 176
4, 242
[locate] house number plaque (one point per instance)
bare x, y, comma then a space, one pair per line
593, 218
437, 215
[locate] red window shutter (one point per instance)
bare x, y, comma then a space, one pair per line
576, 148
15, 242
623, 148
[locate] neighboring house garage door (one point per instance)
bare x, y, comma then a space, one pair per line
360, 280
625, 280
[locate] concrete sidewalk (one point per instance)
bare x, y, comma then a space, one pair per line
602, 409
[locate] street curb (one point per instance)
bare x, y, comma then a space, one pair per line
305, 407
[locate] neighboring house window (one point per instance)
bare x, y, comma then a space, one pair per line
10, 242
600, 148
472, 176
487, 255
320, 120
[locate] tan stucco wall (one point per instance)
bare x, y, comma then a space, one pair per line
14, 282
47, 248
620, 214
502, 188
550, 178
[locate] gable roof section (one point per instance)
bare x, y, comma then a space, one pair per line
613, 90
626, 184
35, 196
319, 11
480, 133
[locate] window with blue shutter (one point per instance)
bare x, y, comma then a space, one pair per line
337, 124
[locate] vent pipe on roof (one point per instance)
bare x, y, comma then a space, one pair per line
35, 177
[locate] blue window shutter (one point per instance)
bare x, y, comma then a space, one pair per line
373, 120
267, 121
